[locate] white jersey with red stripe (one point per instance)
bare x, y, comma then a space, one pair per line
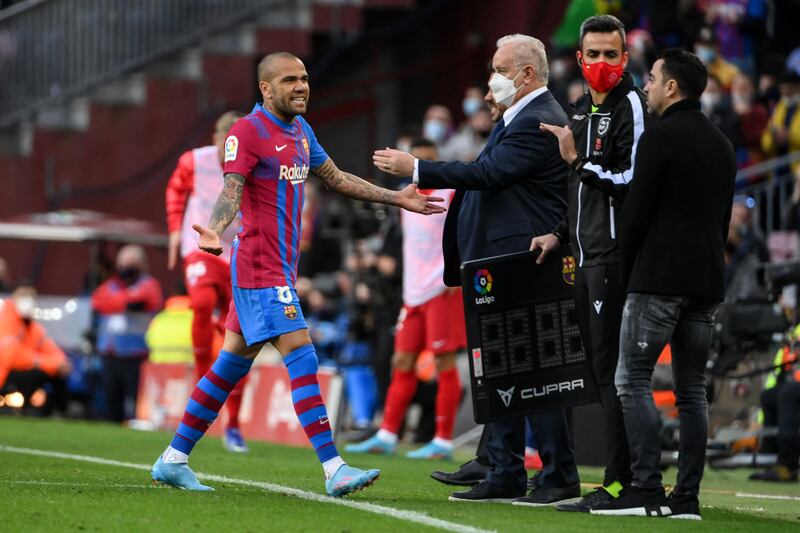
423, 262
208, 183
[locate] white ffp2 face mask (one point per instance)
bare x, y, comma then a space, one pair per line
503, 88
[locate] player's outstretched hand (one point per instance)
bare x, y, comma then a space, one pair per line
545, 243
395, 162
209, 241
411, 199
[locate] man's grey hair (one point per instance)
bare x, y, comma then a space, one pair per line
527, 51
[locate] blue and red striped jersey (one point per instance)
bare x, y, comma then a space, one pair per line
275, 158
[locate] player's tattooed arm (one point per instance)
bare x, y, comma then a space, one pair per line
351, 185
227, 203
223, 214
409, 198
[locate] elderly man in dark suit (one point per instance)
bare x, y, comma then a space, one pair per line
516, 189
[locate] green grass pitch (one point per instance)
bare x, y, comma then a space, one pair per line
51, 493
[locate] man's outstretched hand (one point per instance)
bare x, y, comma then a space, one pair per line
209, 241
411, 199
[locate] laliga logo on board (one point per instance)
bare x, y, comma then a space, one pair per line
483, 285
295, 174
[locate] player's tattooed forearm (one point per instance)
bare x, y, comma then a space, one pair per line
351, 185
329, 174
227, 203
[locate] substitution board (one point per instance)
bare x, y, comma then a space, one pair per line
525, 346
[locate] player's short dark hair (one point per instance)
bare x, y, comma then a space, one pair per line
686, 69
602, 24
422, 142
265, 71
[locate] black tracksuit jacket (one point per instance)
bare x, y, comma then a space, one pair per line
606, 141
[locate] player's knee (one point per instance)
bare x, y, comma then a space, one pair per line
445, 362
235, 344
289, 342
403, 361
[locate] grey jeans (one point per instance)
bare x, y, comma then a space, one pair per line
649, 322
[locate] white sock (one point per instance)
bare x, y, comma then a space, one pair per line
171, 455
444, 443
387, 436
331, 466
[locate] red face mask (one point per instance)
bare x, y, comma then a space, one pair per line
601, 76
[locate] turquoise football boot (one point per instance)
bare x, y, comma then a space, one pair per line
431, 451
348, 479
177, 475
371, 445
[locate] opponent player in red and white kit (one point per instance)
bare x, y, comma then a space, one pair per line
192, 191
432, 319
269, 154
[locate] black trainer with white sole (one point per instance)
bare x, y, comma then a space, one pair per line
596, 497
635, 501
684, 507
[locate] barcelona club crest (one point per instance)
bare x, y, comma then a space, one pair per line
568, 269
305, 146
290, 311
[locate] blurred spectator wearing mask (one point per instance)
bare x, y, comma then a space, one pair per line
745, 251
753, 117
706, 47
125, 303
716, 105
470, 140
437, 125
28, 357
641, 54
782, 134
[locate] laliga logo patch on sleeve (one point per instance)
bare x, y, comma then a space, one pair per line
231, 148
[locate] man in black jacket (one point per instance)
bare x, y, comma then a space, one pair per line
606, 126
672, 238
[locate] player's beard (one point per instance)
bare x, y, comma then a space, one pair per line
291, 110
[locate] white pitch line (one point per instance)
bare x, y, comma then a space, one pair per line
767, 496
408, 516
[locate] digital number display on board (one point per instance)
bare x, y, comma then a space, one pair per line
523, 336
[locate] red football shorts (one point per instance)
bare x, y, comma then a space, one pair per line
437, 325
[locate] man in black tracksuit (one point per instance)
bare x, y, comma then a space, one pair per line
606, 125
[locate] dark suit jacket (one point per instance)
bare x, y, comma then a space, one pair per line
674, 223
515, 190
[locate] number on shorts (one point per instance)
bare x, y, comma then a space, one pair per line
284, 294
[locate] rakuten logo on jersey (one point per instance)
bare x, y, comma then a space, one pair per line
294, 173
